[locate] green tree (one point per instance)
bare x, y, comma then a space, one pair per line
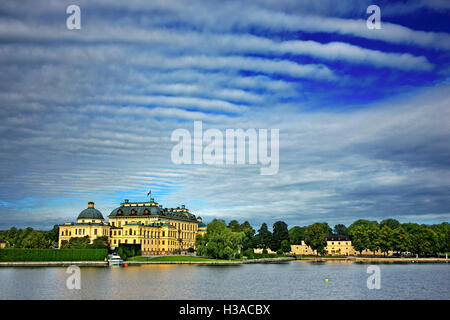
400, 240
200, 244
249, 235
442, 236
296, 235
315, 236
391, 223
385, 240
361, 222
280, 233
220, 242
340, 229
52, 235
77, 243
360, 238
285, 246
264, 237
424, 241
100, 243
373, 233
34, 239
234, 226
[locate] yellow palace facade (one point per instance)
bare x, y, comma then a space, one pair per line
156, 229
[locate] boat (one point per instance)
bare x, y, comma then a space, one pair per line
114, 260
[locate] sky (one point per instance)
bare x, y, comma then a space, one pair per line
363, 114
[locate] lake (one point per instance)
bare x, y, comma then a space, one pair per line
289, 280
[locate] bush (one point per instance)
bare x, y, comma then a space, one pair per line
19, 255
190, 250
280, 252
126, 251
264, 251
249, 254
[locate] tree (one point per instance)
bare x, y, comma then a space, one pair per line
280, 233
391, 223
219, 242
249, 235
225, 244
100, 243
340, 229
424, 240
400, 240
442, 236
264, 237
234, 226
360, 238
315, 236
296, 235
361, 222
77, 243
285, 246
35, 240
52, 235
200, 244
373, 234
385, 241
216, 226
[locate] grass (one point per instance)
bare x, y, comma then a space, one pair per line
194, 258
43, 255
314, 256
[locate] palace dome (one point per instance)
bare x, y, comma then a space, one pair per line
90, 213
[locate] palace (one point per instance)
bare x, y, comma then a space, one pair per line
156, 229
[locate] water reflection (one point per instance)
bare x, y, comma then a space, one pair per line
291, 280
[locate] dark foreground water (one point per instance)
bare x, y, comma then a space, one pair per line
291, 280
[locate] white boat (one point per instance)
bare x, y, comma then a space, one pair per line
115, 260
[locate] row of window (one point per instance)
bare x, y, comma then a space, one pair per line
81, 232
178, 225
153, 242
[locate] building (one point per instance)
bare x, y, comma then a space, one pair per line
336, 246
155, 229
90, 222
2, 244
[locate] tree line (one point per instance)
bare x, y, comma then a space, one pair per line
29, 238
230, 241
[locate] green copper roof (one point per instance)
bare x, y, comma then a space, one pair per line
151, 211
90, 213
201, 225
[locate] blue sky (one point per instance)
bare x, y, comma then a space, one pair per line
363, 114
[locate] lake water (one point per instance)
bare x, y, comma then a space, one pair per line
290, 280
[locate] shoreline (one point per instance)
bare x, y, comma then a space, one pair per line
226, 262
376, 259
